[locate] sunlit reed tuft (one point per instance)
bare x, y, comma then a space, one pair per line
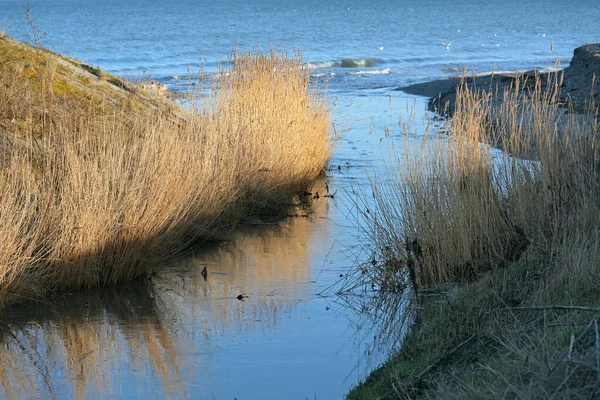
468, 206
97, 189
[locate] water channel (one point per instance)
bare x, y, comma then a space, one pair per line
181, 336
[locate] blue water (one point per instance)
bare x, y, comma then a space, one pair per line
182, 337
165, 38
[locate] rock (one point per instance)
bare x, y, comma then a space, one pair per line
579, 75
576, 90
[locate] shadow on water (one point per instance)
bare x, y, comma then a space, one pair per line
179, 334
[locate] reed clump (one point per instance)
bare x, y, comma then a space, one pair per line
101, 182
504, 208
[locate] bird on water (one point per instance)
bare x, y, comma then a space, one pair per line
204, 273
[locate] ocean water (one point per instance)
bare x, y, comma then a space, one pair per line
169, 39
183, 337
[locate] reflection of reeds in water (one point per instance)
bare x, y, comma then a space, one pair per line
71, 350
148, 335
386, 317
268, 263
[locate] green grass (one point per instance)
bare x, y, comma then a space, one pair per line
521, 352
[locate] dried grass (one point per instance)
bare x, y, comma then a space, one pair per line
95, 191
458, 205
516, 232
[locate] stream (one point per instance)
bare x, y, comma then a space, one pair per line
179, 335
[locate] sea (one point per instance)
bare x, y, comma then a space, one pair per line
293, 337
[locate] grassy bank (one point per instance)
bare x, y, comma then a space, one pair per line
102, 180
510, 242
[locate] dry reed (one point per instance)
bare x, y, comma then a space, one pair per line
458, 205
94, 191
506, 203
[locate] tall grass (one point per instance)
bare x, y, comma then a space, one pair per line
505, 207
458, 205
95, 191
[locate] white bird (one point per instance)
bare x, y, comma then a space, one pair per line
458, 31
447, 45
544, 35
380, 48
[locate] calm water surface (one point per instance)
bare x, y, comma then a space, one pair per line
179, 336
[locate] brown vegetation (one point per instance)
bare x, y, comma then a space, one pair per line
516, 233
100, 182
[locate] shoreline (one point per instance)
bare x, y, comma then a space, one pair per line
490, 329
576, 86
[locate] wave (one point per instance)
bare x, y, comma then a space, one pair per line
501, 72
550, 69
322, 75
450, 70
384, 71
346, 63
516, 72
321, 65
360, 62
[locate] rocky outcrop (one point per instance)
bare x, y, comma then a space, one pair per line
581, 77
580, 82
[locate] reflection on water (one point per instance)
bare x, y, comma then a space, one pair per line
178, 335
181, 336
160, 335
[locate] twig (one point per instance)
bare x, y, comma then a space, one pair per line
454, 350
570, 354
597, 352
571, 346
582, 308
557, 325
583, 364
396, 390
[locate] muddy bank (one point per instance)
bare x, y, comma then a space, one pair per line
579, 82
